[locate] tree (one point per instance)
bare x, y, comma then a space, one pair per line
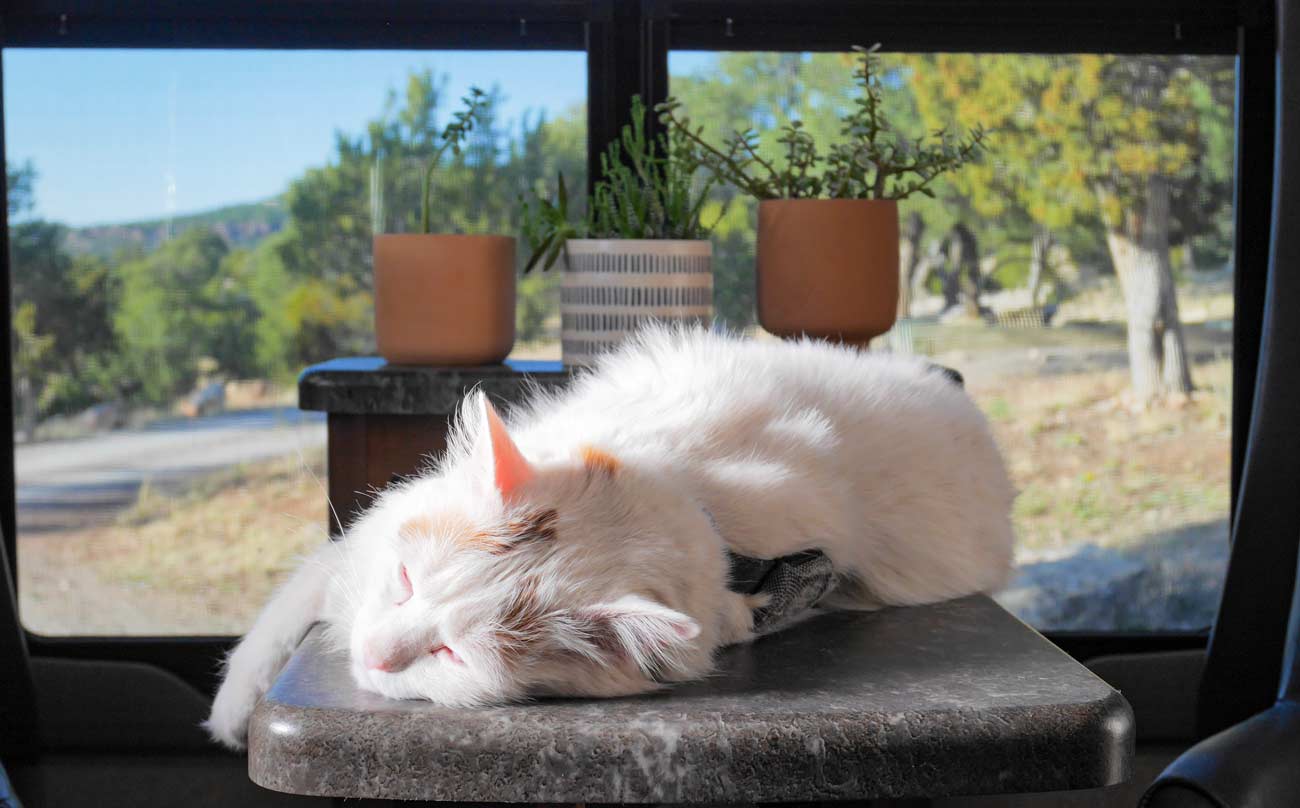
767, 90
1136, 143
312, 282
61, 337
179, 306
19, 180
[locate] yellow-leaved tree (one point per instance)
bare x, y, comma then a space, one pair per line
1141, 143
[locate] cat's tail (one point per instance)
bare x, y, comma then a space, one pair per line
256, 661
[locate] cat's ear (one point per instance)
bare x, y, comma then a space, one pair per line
495, 451
649, 633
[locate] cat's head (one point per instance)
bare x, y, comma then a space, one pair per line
496, 578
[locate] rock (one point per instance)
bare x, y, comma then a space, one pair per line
1171, 581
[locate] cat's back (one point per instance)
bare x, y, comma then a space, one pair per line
687, 389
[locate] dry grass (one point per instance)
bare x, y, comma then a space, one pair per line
1204, 299
232, 534
203, 562
1090, 469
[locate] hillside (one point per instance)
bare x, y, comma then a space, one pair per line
240, 225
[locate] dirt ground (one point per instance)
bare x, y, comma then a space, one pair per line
201, 563
1088, 468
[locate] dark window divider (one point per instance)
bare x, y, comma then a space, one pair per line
627, 54
196, 660
901, 37
375, 35
1252, 207
8, 481
1034, 26
1248, 646
341, 24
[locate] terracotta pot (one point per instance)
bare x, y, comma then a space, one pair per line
612, 287
444, 300
828, 267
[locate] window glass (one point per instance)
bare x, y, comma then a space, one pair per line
189, 229
1079, 275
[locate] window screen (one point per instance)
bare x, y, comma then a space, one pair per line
189, 229
1078, 275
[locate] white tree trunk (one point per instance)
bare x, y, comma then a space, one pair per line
909, 259
1040, 249
27, 409
1140, 251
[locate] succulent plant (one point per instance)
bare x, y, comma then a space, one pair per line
870, 162
649, 188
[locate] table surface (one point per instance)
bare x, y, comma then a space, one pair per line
367, 385
953, 698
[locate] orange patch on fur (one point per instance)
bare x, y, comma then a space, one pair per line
599, 460
535, 526
417, 527
486, 541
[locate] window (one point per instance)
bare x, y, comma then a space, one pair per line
1104, 176
189, 228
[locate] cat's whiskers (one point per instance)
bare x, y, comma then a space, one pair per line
302, 461
349, 586
345, 585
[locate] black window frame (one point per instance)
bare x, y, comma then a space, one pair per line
627, 44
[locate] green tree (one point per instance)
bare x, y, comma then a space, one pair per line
61, 337
19, 181
1138, 144
180, 305
312, 282
764, 91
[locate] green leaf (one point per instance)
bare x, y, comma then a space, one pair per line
538, 252
554, 254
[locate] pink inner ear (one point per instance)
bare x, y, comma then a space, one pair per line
510, 467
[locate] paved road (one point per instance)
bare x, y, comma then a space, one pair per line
63, 484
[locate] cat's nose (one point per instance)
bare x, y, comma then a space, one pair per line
375, 663
389, 660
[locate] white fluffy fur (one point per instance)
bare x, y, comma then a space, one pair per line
880, 461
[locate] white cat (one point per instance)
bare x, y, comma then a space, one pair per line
581, 548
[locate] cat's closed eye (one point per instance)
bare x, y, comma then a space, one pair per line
405, 590
447, 652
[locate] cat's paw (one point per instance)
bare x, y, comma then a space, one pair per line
738, 617
231, 710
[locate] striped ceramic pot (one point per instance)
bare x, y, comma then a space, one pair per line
612, 287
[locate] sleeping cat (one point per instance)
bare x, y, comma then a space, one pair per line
581, 547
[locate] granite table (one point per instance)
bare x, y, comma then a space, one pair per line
954, 698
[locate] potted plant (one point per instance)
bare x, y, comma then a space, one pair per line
640, 252
827, 252
445, 299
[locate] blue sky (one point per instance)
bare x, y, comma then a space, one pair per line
119, 135
122, 135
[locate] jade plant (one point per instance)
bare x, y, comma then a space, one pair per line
871, 161
453, 135
649, 188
